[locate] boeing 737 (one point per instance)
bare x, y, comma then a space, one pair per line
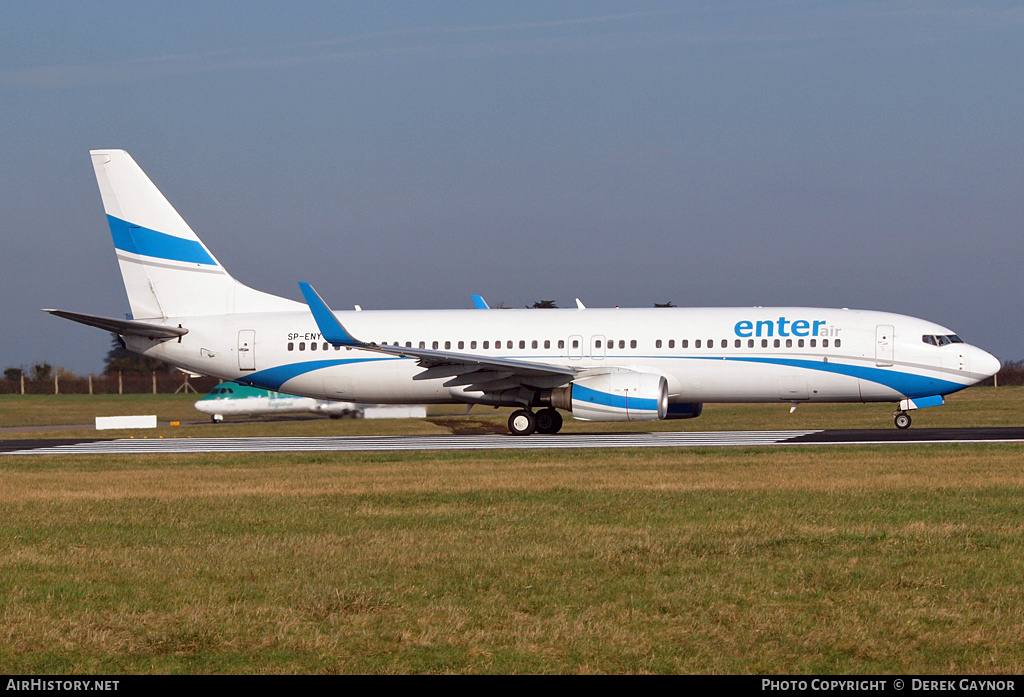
596, 364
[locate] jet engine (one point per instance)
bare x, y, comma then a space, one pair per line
685, 410
619, 396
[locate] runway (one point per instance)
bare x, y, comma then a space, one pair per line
704, 439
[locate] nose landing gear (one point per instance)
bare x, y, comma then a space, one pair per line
902, 420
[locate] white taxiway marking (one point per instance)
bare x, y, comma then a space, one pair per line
364, 443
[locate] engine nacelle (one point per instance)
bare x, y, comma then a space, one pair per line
685, 410
621, 396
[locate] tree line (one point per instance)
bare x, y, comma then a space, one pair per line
124, 372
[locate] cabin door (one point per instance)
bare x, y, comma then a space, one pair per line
247, 349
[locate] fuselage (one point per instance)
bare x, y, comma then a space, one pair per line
755, 354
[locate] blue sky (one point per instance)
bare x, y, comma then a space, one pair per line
408, 154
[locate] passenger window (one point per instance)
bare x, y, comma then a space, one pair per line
533, 344
632, 343
671, 343
508, 344
824, 343
711, 343
302, 345
561, 343
312, 346
462, 345
597, 343
547, 343
487, 344
839, 342
737, 343
764, 343
800, 343
291, 345
777, 343
696, 344
657, 344
575, 343
472, 345
814, 343
423, 344
685, 343
789, 343
324, 347
750, 343
522, 344
433, 345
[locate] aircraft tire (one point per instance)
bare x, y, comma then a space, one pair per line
522, 422
902, 420
549, 421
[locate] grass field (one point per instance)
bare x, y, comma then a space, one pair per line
748, 560
977, 406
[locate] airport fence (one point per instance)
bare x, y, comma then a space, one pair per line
109, 383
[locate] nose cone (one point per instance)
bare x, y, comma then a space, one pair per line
984, 363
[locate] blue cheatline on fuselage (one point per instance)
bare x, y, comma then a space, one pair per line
907, 384
274, 378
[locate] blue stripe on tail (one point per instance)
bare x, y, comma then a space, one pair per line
158, 245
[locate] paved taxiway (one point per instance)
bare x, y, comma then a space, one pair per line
703, 439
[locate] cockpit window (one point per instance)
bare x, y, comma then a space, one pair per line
941, 340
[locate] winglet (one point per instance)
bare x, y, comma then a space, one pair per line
329, 326
479, 303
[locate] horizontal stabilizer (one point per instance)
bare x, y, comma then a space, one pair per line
128, 327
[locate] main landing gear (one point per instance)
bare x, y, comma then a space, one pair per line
524, 422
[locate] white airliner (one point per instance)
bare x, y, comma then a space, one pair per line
597, 364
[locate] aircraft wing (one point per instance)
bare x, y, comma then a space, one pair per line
123, 326
474, 372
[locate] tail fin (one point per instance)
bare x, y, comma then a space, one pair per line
166, 268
